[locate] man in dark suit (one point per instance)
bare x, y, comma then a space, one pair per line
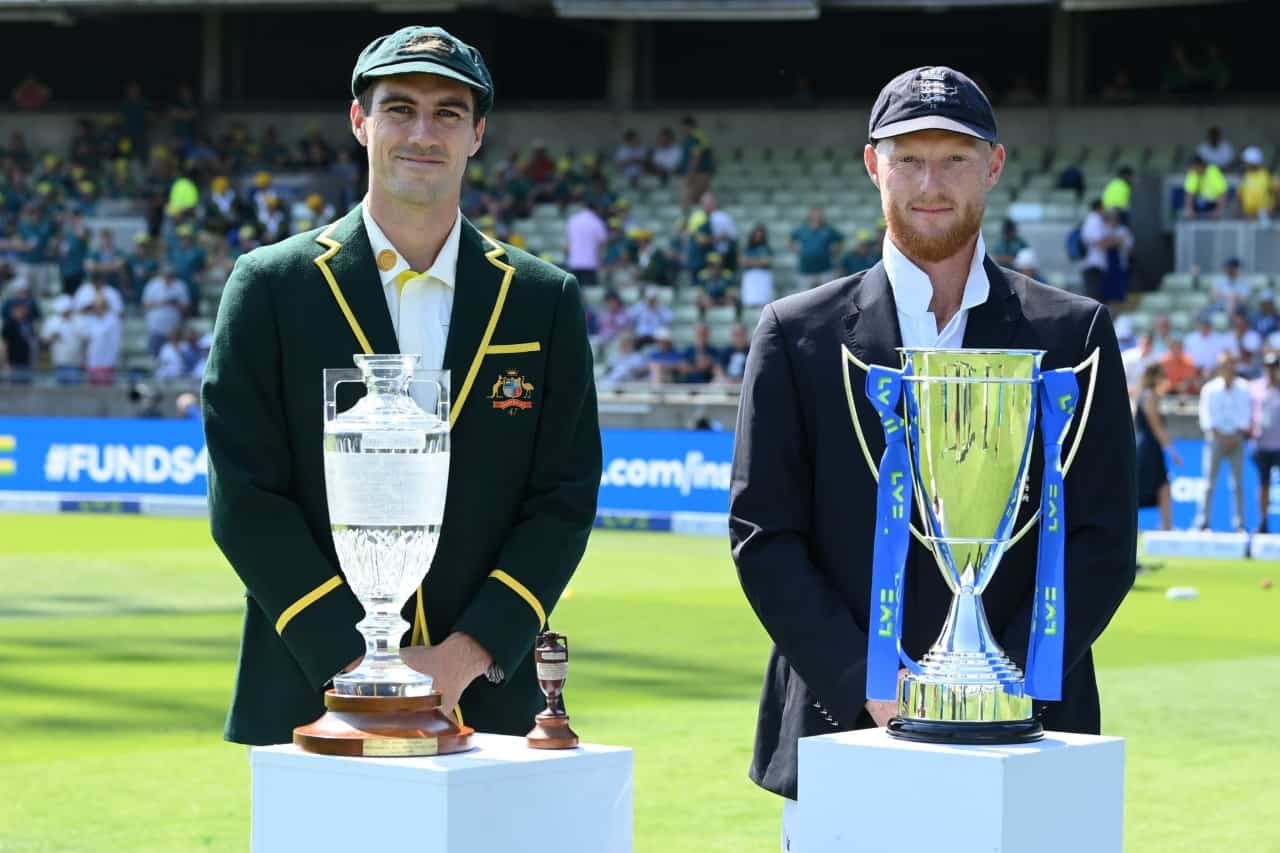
403, 271
803, 500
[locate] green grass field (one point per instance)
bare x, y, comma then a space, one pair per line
118, 638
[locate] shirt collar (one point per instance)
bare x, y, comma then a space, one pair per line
444, 269
912, 289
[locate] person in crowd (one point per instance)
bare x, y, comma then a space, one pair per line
1226, 412
1009, 245
1266, 434
757, 268
626, 364
667, 154
1230, 288
1259, 190
1181, 376
19, 344
1153, 442
818, 246
585, 236
1204, 189
64, 335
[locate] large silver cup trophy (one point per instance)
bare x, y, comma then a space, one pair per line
386, 463
962, 446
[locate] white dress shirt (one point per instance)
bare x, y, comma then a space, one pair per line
421, 304
912, 292
1226, 409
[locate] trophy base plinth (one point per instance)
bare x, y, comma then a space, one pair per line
390, 726
969, 734
551, 732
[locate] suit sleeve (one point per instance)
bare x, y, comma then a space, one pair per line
546, 542
770, 513
255, 521
1101, 511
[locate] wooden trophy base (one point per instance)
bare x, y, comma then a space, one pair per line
551, 732
383, 726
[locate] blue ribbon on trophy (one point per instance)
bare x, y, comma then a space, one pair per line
893, 536
1058, 394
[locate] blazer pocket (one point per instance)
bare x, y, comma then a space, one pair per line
513, 349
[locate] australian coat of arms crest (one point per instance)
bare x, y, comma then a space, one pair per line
511, 392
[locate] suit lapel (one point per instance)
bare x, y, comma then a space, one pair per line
871, 327
483, 280
995, 323
352, 276
872, 336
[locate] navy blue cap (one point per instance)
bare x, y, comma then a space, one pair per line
932, 98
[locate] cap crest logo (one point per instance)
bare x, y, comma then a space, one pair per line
428, 44
932, 87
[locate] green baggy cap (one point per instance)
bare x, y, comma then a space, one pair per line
424, 50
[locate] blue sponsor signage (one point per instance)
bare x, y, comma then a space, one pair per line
649, 477
666, 470
117, 456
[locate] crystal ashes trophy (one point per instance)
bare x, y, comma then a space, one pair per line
386, 463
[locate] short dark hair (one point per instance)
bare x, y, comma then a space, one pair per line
365, 100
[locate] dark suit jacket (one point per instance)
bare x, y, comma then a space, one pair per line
803, 504
522, 482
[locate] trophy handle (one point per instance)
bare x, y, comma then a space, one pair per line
862, 441
1090, 364
441, 393
333, 377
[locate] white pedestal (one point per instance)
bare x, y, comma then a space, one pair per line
500, 796
865, 791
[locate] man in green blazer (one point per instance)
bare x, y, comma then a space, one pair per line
403, 271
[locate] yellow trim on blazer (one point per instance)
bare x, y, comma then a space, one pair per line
522, 591
306, 601
512, 349
423, 636
420, 632
332, 246
508, 272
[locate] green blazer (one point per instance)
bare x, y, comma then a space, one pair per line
523, 481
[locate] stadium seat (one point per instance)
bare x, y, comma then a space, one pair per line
684, 313
1258, 281
721, 315
1164, 159
1140, 320
1157, 302
1179, 281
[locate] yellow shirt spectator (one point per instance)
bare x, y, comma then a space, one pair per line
183, 195
1118, 191
1207, 185
1258, 188
1116, 194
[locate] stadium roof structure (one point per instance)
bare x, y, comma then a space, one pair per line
63, 11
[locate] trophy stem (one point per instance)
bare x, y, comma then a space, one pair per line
382, 672
966, 627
